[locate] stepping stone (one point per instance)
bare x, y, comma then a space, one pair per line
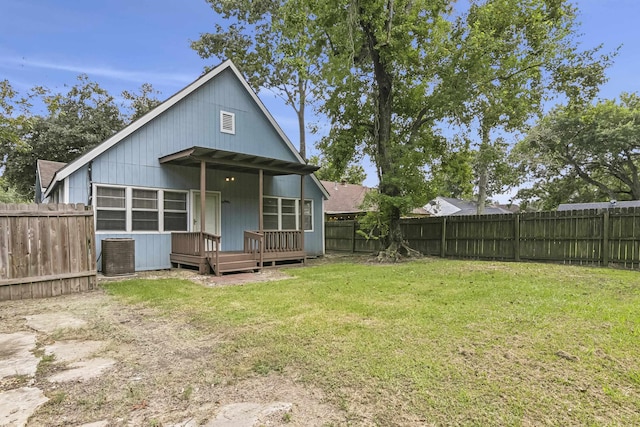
247, 414
81, 371
71, 351
15, 355
50, 322
16, 406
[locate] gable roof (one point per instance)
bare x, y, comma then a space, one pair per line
46, 169
347, 199
344, 198
598, 205
170, 102
467, 207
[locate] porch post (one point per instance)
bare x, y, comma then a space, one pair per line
302, 212
203, 196
260, 216
260, 195
203, 193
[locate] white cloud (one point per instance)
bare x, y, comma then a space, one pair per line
153, 77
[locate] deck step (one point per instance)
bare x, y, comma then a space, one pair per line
229, 266
235, 256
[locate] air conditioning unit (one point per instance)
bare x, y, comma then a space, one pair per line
118, 257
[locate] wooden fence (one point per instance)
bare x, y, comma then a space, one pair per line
589, 237
46, 250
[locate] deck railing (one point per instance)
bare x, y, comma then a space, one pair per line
254, 244
205, 244
194, 243
283, 241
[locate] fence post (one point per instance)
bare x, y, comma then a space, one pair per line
353, 237
443, 242
516, 237
605, 238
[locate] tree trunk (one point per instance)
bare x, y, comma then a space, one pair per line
301, 123
483, 179
483, 170
395, 246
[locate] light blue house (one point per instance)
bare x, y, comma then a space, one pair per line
214, 137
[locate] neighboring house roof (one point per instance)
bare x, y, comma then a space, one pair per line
46, 169
598, 205
139, 123
347, 199
344, 198
445, 206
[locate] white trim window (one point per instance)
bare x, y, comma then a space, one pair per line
140, 210
144, 210
307, 217
227, 122
175, 211
281, 213
111, 209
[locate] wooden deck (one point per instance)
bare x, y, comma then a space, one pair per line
260, 249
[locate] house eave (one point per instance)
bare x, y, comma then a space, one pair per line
237, 162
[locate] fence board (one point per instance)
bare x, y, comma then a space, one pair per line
584, 237
46, 250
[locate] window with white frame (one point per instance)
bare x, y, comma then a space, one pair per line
111, 209
140, 209
144, 210
281, 213
227, 122
270, 213
175, 211
308, 215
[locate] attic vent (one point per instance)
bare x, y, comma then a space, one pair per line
227, 122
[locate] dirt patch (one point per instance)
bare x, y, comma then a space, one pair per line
266, 275
164, 371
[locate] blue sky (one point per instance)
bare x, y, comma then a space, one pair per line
124, 43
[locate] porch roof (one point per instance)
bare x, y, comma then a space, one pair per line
237, 162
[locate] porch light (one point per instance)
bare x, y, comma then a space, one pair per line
230, 178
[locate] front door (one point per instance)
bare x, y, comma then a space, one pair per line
212, 213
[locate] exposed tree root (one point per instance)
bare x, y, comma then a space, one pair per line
397, 251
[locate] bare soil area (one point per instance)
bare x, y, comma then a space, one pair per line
163, 375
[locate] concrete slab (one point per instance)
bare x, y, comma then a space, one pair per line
15, 354
16, 406
81, 371
247, 414
71, 351
50, 322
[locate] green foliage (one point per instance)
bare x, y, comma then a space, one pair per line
58, 126
399, 70
584, 154
351, 173
451, 174
383, 63
73, 123
516, 55
9, 194
141, 103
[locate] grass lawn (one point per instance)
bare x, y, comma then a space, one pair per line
432, 341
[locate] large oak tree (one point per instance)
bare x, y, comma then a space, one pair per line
584, 154
397, 68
